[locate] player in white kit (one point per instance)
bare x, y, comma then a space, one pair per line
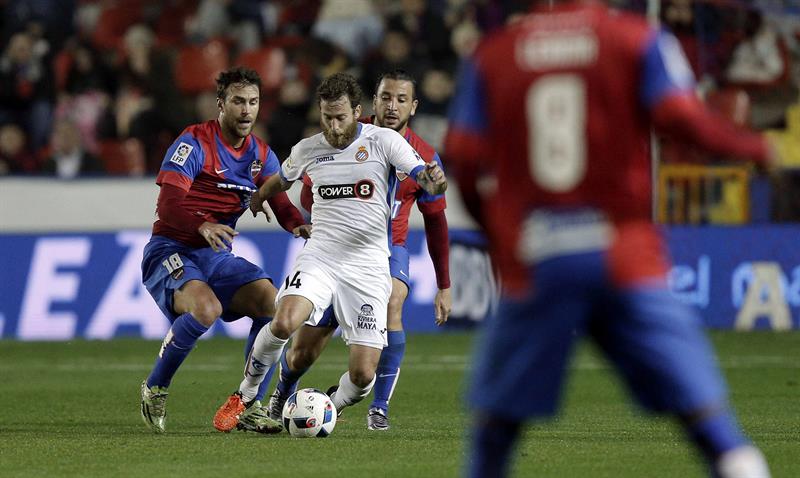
344, 262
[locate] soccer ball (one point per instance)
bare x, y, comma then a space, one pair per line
309, 413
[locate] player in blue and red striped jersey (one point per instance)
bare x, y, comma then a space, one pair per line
553, 116
394, 102
207, 178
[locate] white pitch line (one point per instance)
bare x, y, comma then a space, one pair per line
412, 363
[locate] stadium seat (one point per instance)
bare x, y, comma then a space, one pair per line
169, 27
197, 66
122, 157
269, 63
114, 22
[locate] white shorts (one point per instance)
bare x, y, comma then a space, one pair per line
359, 293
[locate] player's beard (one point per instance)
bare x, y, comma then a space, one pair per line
236, 129
343, 140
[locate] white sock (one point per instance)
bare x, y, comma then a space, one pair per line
349, 393
742, 462
266, 351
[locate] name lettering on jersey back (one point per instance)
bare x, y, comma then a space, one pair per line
559, 50
361, 190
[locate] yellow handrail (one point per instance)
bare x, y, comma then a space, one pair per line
700, 194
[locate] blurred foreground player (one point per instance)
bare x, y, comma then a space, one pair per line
207, 178
562, 103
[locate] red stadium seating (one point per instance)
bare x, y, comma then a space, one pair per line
114, 22
197, 66
269, 63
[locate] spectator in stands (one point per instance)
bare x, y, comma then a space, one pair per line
148, 108
394, 54
465, 38
26, 86
15, 157
758, 60
356, 29
68, 158
87, 72
426, 28
289, 119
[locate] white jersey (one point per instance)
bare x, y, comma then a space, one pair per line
353, 189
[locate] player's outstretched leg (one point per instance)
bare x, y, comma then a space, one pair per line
347, 393
255, 328
287, 385
256, 417
386, 380
180, 340
267, 349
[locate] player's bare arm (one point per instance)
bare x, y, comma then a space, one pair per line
218, 236
432, 179
273, 185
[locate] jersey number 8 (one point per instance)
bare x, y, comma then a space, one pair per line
556, 114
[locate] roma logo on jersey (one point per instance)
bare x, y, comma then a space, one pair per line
362, 154
255, 168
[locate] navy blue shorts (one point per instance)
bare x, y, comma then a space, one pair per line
654, 341
168, 264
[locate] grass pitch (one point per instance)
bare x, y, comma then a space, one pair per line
72, 409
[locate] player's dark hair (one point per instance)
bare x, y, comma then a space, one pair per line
236, 76
337, 85
398, 74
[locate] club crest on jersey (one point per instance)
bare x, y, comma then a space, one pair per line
401, 175
255, 168
181, 153
362, 154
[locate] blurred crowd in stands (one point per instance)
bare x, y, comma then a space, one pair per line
101, 87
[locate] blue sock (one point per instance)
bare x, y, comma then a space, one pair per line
492, 442
178, 343
258, 324
287, 382
716, 434
389, 369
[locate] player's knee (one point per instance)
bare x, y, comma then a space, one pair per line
206, 311
266, 308
301, 358
289, 317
